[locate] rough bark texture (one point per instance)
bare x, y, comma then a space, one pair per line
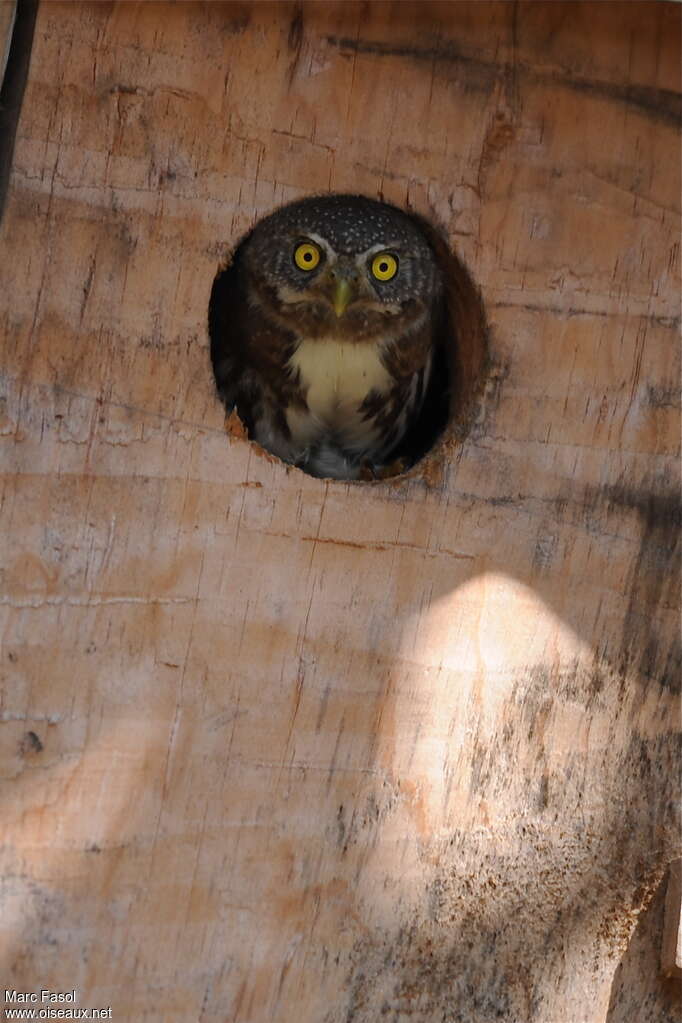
281, 749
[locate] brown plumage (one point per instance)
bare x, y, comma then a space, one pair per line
323, 333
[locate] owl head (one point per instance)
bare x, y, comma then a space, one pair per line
343, 265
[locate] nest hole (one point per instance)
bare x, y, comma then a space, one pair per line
460, 359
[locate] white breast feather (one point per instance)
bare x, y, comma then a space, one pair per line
336, 377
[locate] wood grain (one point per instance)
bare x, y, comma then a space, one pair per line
274, 748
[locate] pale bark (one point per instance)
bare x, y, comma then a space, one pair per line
274, 748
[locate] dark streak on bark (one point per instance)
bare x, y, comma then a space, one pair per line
296, 30
658, 104
295, 41
568, 313
662, 397
482, 74
654, 583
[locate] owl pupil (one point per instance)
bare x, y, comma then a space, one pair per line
383, 267
307, 256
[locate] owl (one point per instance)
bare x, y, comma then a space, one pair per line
324, 330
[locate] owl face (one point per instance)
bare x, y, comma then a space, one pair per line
342, 265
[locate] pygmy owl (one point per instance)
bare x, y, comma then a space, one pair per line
323, 332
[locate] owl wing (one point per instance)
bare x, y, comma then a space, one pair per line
396, 416
250, 358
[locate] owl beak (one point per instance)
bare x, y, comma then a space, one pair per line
343, 293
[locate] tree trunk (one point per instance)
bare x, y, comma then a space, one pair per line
276, 748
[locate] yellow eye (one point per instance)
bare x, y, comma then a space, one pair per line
306, 256
384, 266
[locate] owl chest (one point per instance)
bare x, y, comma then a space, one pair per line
335, 378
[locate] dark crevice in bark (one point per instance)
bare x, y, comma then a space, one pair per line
13, 86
